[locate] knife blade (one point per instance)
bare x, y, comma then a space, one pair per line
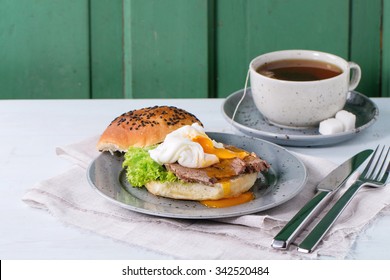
325, 190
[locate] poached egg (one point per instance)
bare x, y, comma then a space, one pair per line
191, 147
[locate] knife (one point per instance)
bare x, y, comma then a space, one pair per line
325, 189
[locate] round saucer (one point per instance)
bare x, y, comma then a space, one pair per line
251, 122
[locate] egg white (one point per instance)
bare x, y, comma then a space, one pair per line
179, 147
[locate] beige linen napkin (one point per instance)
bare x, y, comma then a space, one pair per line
70, 199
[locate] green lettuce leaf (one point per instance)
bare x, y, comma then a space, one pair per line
141, 168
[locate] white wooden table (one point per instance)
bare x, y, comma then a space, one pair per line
31, 129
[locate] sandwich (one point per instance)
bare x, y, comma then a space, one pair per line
167, 151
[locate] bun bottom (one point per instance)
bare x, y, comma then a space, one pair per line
197, 191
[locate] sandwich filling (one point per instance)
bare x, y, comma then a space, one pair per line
189, 155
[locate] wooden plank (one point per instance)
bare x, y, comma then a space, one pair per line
212, 49
44, 49
232, 46
127, 50
248, 28
106, 29
385, 85
168, 49
365, 44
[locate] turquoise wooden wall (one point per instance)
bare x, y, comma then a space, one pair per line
44, 49
177, 48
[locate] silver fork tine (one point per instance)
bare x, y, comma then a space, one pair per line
375, 170
386, 173
378, 167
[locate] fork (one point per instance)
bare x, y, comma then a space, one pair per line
374, 175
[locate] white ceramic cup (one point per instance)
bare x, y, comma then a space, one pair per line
300, 104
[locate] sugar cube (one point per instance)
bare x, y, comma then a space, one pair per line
348, 119
331, 126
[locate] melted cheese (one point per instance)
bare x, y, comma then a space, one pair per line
226, 188
222, 153
228, 202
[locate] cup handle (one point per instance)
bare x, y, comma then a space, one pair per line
356, 74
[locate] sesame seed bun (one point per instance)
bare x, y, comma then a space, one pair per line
143, 127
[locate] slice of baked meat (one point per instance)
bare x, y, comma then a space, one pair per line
225, 169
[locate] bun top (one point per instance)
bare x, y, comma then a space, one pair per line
143, 127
